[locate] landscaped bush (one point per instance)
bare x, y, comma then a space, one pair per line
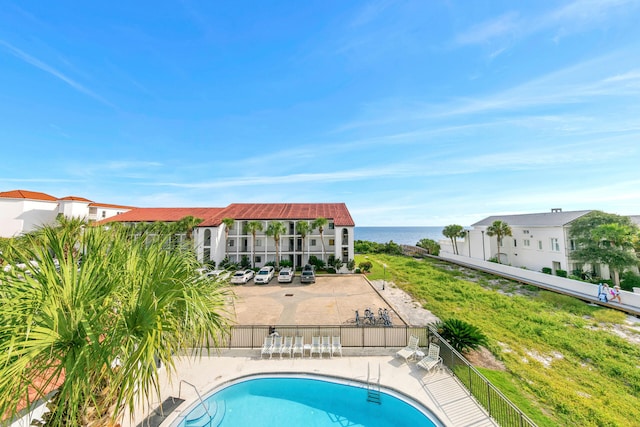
351, 264
461, 335
314, 260
546, 270
561, 273
629, 280
365, 266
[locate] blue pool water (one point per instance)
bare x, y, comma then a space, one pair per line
295, 401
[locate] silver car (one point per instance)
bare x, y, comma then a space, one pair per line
286, 275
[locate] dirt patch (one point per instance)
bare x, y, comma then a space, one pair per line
483, 358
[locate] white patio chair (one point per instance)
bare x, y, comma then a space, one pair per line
315, 346
287, 346
410, 350
266, 347
432, 359
325, 346
298, 346
336, 347
276, 347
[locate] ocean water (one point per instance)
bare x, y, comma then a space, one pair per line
400, 235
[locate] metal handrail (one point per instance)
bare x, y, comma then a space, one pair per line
199, 397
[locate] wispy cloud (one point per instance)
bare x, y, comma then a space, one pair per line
52, 71
489, 30
370, 12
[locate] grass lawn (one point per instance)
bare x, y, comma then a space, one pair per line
565, 363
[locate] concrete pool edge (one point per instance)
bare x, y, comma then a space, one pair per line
193, 404
440, 393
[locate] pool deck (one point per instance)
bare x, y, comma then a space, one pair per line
439, 391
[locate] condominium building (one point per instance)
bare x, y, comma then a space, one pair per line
22, 211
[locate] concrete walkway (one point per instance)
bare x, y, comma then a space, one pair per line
440, 392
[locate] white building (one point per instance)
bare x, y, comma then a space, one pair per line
22, 211
538, 240
209, 235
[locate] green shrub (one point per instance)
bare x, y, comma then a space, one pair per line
365, 266
546, 270
461, 335
561, 273
351, 264
629, 280
314, 260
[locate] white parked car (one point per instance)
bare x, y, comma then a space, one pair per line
286, 275
242, 276
264, 275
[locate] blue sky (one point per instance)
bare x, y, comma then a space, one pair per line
411, 112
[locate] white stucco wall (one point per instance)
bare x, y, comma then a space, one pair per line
19, 216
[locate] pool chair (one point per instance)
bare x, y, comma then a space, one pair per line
336, 347
298, 346
432, 359
409, 351
276, 347
325, 346
287, 346
315, 346
266, 347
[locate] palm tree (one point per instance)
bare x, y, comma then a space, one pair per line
499, 229
320, 223
253, 227
454, 231
228, 223
187, 224
275, 229
97, 331
303, 228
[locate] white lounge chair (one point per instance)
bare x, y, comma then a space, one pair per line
432, 359
287, 346
276, 347
315, 346
409, 351
298, 346
325, 346
336, 347
266, 347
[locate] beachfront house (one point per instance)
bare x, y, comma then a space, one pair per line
538, 241
23, 211
209, 236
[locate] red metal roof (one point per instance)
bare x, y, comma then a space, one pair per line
212, 217
337, 212
24, 194
160, 214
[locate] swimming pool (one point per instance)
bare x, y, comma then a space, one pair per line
310, 401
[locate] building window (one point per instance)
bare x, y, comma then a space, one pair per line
332, 242
313, 242
258, 259
515, 243
525, 231
555, 245
207, 238
207, 254
540, 244
258, 242
572, 245
331, 226
104, 214
231, 243
527, 243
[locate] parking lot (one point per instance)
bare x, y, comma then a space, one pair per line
332, 300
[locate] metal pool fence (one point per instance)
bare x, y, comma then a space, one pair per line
497, 405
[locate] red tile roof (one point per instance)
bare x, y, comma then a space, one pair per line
24, 194
337, 212
76, 199
107, 205
160, 214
